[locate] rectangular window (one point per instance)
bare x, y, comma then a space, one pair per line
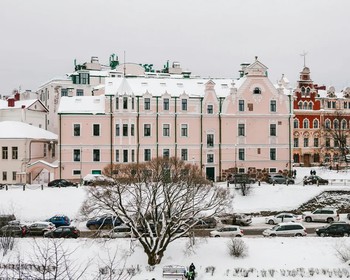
125, 130
15, 152
336, 143
166, 153
296, 142
273, 154
306, 142
4, 176
210, 140
166, 129
184, 104
4, 153
125, 102
345, 105
147, 154
96, 154
273, 129
76, 155
210, 158
14, 175
76, 172
316, 142
117, 130
210, 109
96, 129
328, 142
45, 150
132, 130
64, 92
84, 78
132, 103
241, 154
241, 129
76, 129
125, 155
273, 107
241, 105
117, 155
184, 154
133, 155
184, 130
147, 103
147, 130
117, 103
80, 92
166, 104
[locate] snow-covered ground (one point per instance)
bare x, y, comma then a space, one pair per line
266, 256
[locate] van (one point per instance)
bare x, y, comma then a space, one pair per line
286, 229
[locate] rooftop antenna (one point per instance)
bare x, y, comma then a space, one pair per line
304, 55
124, 65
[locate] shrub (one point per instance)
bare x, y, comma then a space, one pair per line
237, 248
7, 243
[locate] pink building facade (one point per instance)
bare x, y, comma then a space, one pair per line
216, 124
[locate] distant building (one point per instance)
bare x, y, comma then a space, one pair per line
217, 124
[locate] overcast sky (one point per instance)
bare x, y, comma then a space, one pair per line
40, 39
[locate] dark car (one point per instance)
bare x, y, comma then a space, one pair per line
59, 220
241, 178
61, 183
314, 179
334, 229
205, 222
63, 232
104, 222
39, 228
279, 179
14, 230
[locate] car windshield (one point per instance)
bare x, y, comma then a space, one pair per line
275, 227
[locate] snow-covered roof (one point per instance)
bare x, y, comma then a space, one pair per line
20, 130
18, 104
82, 104
174, 87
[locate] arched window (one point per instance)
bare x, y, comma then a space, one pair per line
257, 90
296, 123
315, 123
306, 123
308, 91
327, 123
343, 124
305, 105
310, 105
336, 124
300, 105
302, 90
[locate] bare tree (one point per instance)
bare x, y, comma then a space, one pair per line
160, 200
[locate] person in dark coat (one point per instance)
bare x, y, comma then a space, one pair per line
192, 267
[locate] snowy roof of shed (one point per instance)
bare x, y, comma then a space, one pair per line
20, 130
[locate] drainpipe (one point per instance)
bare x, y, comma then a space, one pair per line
111, 132
60, 146
201, 132
157, 130
175, 127
138, 130
220, 138
290, 133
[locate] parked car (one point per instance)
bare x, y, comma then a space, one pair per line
227, 231
5, 219
328, 215
286, 229
39, 228
63, 232
279, 179
235, 219
241, 178
314, 179
97, 180
334, 229
14, 230
205, 222
59, 220
104, 222
120, 231
61, 183
283, 217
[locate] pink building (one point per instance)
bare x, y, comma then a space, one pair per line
215, 123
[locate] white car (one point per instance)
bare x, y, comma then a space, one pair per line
227, 231
121, 231
328, 215
283, 218
286, 229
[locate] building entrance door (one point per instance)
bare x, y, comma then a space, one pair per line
307, 158
210, 171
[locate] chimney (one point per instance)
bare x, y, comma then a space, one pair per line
17, 96
10, 102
